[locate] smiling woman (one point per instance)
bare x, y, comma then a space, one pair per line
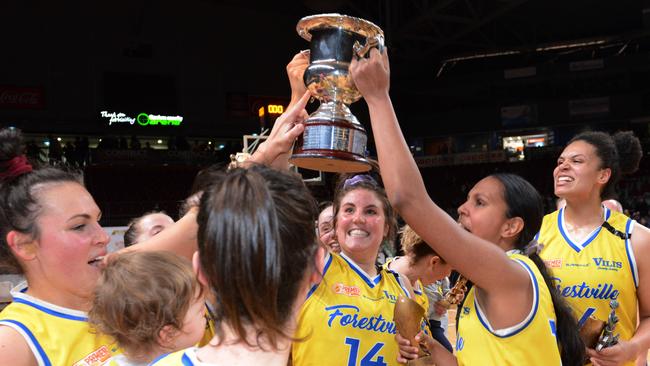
49, 226
596, 254
352, 286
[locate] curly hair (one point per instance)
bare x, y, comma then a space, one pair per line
138, 294
413, 246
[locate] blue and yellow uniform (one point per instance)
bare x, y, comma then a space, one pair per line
419, 296
186, 357
596, 271
56, 335
347, 318
531, 342
418, 289
209, 326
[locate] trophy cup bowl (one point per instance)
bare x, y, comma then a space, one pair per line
334, 140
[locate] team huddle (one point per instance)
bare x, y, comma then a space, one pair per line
241, 278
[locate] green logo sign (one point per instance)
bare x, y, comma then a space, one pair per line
154, 119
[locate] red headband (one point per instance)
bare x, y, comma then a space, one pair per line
15, 167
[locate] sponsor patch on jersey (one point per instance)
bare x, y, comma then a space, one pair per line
97, 357
608, 265
341, 289
553, 263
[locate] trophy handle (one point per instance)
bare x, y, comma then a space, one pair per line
374, 41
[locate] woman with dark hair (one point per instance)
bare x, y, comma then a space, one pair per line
257, 252
598, 255
348, 316
50, 232
512, 315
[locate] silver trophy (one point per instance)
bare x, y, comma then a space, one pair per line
608, 338
334, 140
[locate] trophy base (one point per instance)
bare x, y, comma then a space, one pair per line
330, 161
333, 141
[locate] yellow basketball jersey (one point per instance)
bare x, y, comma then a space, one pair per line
209, 326
347, 318
56, 335
531, 342
591, 274
418, 289
186, 357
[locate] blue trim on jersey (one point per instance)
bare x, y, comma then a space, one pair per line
401, 284
50, 311
534, 313
311, 290
159, 358
186, 360
536, 237
370, 282
41, 352
328, 261
553, 326
630, 254
417, 292
585, 316
577, 247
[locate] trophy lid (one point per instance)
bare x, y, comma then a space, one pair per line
334, 20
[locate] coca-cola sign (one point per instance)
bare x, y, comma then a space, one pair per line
12, 97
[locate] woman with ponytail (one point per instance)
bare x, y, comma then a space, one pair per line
597, 255
511, 316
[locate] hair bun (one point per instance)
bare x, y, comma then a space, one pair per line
629, 151
11, 144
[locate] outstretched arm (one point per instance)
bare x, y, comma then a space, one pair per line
482, 262
179, 238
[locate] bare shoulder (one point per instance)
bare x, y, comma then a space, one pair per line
641, 248
640, 239
14, 350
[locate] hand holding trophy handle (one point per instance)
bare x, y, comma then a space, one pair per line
374, 41
456, 294
408, 316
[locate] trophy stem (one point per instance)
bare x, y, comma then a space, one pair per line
334, 111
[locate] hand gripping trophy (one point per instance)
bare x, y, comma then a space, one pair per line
334, 140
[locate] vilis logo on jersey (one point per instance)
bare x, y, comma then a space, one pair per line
341, 289
97, 357
391, 298
553, 263
607, 264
